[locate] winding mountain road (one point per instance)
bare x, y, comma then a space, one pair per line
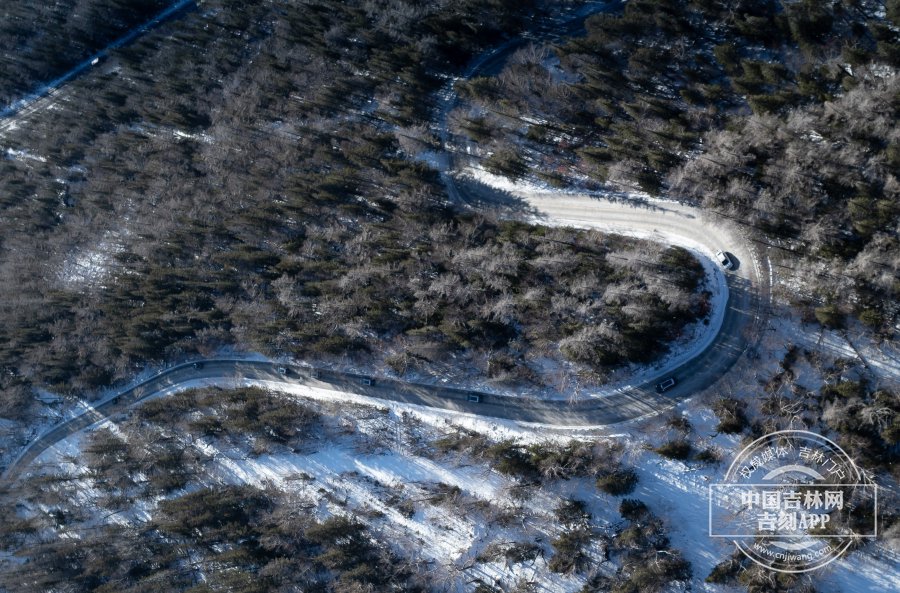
667, 222
748, 286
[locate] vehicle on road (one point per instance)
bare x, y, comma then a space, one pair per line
665, 385
474, 398
282, 370
725, 260
197, 365
368, 381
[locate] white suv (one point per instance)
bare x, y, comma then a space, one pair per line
724, 260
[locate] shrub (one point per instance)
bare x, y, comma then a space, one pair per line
830, 316
729, 57
676, 449
572, 512
511, 459
462, 441
871, 318
618, 482
568, 551
632, 509
708, 455
845, 390
522, 552
507, 163
724, 572
649, 577
730, 413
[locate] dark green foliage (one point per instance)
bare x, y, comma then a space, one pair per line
506, 163
573, 460
522, 552
632, 510
740, 571
687, 271
215, 515
572, 512
830, 316
676, 449
724, 571
728, 56
248, 412
461, 441
708, 455
655, 576
16, 400
810, 21
568, 551
618, 482
648, 564
239, 538
511, 459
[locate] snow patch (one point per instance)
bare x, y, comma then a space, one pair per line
90, 267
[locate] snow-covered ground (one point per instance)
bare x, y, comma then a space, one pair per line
521, 186
89, 267
384, 461
372, 467
679, 492
24, 155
